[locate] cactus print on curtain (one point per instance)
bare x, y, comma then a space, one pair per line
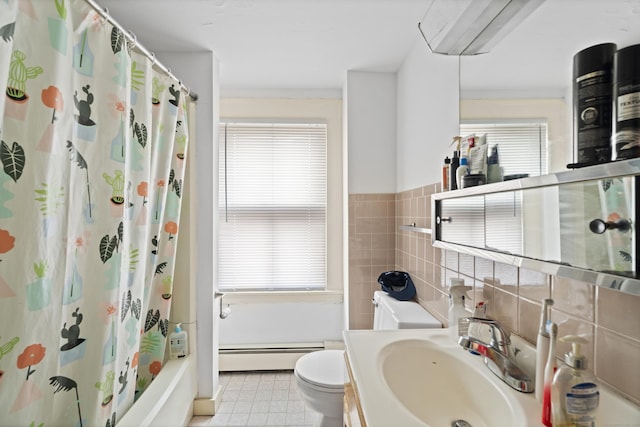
92, 149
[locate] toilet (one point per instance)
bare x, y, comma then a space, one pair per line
321, 375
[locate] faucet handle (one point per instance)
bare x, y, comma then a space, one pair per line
490, 332
500, 338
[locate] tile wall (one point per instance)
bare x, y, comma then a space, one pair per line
372, 242
610, 320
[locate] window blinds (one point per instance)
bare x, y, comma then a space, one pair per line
273, 184
522, 147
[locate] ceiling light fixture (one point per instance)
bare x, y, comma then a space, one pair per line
471, 27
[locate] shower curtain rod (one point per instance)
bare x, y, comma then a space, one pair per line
104, 12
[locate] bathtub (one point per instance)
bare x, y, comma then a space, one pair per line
169, 399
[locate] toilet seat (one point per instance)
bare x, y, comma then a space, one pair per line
322, 369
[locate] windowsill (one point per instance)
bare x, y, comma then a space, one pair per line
252, 297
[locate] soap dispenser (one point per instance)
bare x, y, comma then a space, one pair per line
178, 343
457, 294
574, 392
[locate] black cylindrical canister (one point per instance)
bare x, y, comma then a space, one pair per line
626, 103
592, 104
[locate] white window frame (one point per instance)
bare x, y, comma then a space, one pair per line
327, 110
272, 205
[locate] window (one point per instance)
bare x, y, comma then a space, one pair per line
272, 201
522, 146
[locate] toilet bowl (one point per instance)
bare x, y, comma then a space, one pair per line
321, 375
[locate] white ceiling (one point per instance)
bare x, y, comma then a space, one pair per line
309, 44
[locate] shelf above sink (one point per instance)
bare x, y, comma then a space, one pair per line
412, 227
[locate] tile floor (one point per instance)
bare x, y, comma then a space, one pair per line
258, 399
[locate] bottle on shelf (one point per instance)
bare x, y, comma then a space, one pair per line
453, 168
445, 174
462, 170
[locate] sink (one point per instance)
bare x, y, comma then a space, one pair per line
439, 386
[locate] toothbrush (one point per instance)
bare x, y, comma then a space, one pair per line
542, 346
549, 370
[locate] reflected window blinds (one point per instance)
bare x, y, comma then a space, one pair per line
522, 147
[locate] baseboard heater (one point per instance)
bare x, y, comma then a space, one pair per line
264, 357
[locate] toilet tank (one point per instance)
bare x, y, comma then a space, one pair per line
391, 313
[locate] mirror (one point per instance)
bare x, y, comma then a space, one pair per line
529, 72
573, 227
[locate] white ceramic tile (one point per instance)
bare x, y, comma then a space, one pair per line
238, 419
260, 406
278, 406
266, 385
234, 386
294, 419
283, 376
257, 399
242, 407
295, 406
263, 395
280, 394
276, 419
251, 385
281, 385
268, 376
226, 407
221, 420
200, 421
310, 418
257, 419
246, 395
230, 395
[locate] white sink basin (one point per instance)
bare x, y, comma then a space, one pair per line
437, 386
421, 378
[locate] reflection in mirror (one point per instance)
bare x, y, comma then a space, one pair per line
587, 225
607, 202
528, 74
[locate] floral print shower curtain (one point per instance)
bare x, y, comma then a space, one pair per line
93, 140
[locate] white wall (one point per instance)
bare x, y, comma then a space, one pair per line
292, 319
371, 132
199, 71
428, 100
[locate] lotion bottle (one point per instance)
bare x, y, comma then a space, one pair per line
178, 343
574, 392
542, 347
457, 294
462, 170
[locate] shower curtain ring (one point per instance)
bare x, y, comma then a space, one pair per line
153, 58
134, 39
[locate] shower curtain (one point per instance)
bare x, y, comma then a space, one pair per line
93, 144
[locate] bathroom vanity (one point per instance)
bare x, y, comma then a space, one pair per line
578, 224
420, 378
353, 416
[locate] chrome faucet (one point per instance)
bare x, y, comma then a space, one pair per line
489, 338
489, 332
